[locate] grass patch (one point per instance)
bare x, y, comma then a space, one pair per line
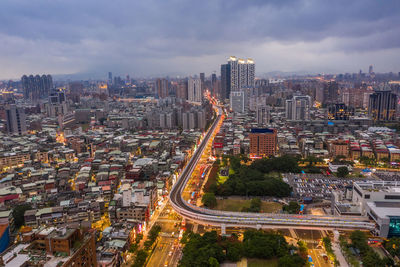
262, 263
222, 179
231, 171
239, 204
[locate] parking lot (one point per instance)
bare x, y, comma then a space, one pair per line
317, 186
388, 176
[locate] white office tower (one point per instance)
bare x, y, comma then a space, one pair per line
16, 120
298, 108
237, 99
263, 115
194, 90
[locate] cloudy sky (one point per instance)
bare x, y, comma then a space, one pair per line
160, 37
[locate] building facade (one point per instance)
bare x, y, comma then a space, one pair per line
263, 142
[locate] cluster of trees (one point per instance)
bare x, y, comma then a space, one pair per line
393, 246
18, 214
292, 208
255, 179
329, 250
142, 254
211, 249
342, 172
367, 161
140, 259
368, 256
153, 234
209, 200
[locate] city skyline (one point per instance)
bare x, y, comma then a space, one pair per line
171, 38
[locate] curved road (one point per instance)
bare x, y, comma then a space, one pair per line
225, 219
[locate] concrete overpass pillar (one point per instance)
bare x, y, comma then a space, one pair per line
223, 229
258, 226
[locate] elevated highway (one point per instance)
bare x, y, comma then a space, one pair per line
225, 219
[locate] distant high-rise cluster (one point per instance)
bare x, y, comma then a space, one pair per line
237, 74
36, 87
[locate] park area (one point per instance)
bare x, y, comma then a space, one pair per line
233, 204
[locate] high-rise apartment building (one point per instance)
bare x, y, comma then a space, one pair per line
236, 75
110, 77
263, 115
330, 93
36, 87
225, 81
57, 104
16, 120
162, 87
202, 80
382, 105
214, 86
182, 89
263, 142
298, 108
194, 90
237, 101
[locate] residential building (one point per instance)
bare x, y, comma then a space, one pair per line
16, 120
263, 142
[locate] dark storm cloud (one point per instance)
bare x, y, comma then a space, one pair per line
152, 37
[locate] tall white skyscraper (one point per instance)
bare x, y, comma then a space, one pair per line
242, 73
194, 90
251, 72
298, 108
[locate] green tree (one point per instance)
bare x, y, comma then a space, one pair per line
234, 251
140, 259
303, 249
133, 248
393, 246
209, 200
213, 262
291, 261
359, 241
312, 160
372, 259
255, 205
18, 214
342, 172
292, 208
